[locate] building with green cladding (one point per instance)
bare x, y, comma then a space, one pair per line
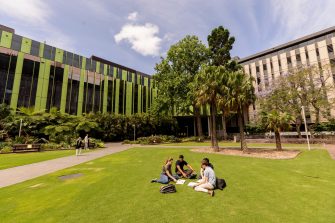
34, 74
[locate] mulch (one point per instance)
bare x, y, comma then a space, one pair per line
257, 153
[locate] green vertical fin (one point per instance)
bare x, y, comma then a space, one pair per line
64, 89
17, 81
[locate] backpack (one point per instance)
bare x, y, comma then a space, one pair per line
170, 188
220, 184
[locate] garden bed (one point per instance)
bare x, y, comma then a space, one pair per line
254, 152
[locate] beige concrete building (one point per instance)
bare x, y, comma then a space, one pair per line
266, 66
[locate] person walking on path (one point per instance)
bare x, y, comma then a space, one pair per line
78, 146
86, 141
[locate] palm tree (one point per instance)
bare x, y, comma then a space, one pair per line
210, 84
240, 94
276, 121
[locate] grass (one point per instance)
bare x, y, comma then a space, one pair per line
19, 159
116, 188
251, 145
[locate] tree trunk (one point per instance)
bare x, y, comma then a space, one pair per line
297, 127
224, 127
278, 141
244, 146
198, 121
317, 115
215, 144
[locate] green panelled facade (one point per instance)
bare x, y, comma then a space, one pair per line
34, 74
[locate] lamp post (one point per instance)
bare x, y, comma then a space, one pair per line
20, 127
304, 116
187, 131
134, 132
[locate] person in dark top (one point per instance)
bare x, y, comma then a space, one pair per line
202, 170
166, 174
78, 146
180, 163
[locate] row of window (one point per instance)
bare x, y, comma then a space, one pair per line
93, 94
69, 58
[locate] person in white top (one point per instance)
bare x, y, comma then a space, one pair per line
207, 183
86, 141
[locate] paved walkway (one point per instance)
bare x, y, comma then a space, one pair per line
22, 173
331, 150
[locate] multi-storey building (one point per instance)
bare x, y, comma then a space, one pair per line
316, 49
34, 74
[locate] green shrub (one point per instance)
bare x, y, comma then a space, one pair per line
6, 149
253, 129
193, 139
98, 143
51, 146
126, 141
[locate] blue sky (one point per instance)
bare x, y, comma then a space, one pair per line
136, 33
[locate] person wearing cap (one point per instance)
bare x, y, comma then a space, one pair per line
207, 183
180, 163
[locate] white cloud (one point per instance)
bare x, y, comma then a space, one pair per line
133, 16
36, 14
144, 39
30, 11
301, 17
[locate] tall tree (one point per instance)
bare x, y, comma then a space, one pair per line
210, 84
175, 75
276, 121
220, 43
240, 94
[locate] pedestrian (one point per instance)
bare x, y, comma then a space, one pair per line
78, 146
86, 141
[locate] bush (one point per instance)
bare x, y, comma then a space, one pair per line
253, 129
156, 140
98, 143
193, 139
6, 149
51, 146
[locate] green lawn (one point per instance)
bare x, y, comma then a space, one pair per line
250, 145
116, 188
19, 159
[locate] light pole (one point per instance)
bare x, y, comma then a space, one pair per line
20, 128
187, 131
134, 132
304, 116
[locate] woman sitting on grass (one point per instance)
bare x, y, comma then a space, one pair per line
166, 175
207, 183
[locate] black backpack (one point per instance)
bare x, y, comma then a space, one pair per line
220, 184
170, 188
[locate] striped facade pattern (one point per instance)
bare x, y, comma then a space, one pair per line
314, 50
34, 74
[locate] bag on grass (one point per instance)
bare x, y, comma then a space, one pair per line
170, 188
220, 184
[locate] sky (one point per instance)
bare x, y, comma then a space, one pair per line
138, 33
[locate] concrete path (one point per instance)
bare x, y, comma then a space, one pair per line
22, 173
331, 150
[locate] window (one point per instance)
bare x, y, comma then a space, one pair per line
28, 85
264, 67
257, 68
298, 57
35, 48
289, 61
317, 52
306, 52
47, 52
330, 48
7, 72
279, 63
16, 42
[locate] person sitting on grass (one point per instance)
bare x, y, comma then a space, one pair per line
207, 183
202, 170
166, 175
188, 173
